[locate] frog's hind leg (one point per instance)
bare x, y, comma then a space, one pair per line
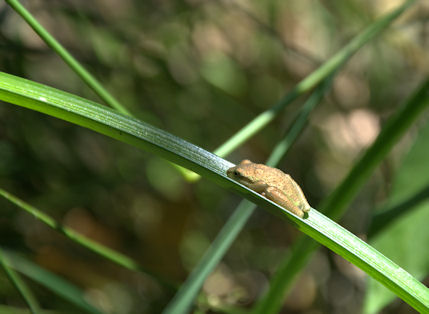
278, 197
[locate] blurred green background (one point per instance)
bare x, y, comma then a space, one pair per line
200, 70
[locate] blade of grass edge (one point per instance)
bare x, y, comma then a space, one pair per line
19, 284
336, 203
144, 136
99, 249
89, 79
326, 69
182, 301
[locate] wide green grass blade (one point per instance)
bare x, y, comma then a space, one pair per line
410, 187
80, 239
343, 195
142, 135
326, 69
106, 121
187, 293
405, 232
22, 288
51, 281
89, 79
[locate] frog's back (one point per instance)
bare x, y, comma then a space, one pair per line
275, 177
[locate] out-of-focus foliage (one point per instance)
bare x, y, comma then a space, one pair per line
201, 70
405, 239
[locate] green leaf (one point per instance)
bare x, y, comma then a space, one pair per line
106, 121
103, 251
19, 284
51, 281
404, 240
343, 195
184, 298
310, 81
90, 80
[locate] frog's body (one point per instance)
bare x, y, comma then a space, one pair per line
272, 183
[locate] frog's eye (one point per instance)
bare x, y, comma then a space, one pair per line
238, 174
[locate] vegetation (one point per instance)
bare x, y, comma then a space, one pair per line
90, 224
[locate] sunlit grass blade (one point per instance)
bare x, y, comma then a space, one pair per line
187, 293
326, 69
80, 239
338, 201
109, 122
405, 232
57, 285
89, 79
142, 135
15, 279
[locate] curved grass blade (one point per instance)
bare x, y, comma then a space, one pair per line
19, 284
54, 283
184, 298
90, 80
338, 201
326, 69
405, 232
142, 135
80, 239
106, 121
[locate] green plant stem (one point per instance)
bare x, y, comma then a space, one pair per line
19, 284
326, 69
90, 80
80, 239
182, 301
337, 202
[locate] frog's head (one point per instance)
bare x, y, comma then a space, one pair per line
244, 173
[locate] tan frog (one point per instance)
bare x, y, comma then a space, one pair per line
273, 184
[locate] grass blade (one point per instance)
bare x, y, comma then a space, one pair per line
109, 122
54, 283
80, 239
19, 284
337, 202
406, 230
90, 80
326, 69
187, 293
142, 135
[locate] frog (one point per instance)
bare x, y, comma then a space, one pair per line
271, 183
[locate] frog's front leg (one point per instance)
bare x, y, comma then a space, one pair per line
258, 186
278, 197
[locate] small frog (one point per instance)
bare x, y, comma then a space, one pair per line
271, 183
